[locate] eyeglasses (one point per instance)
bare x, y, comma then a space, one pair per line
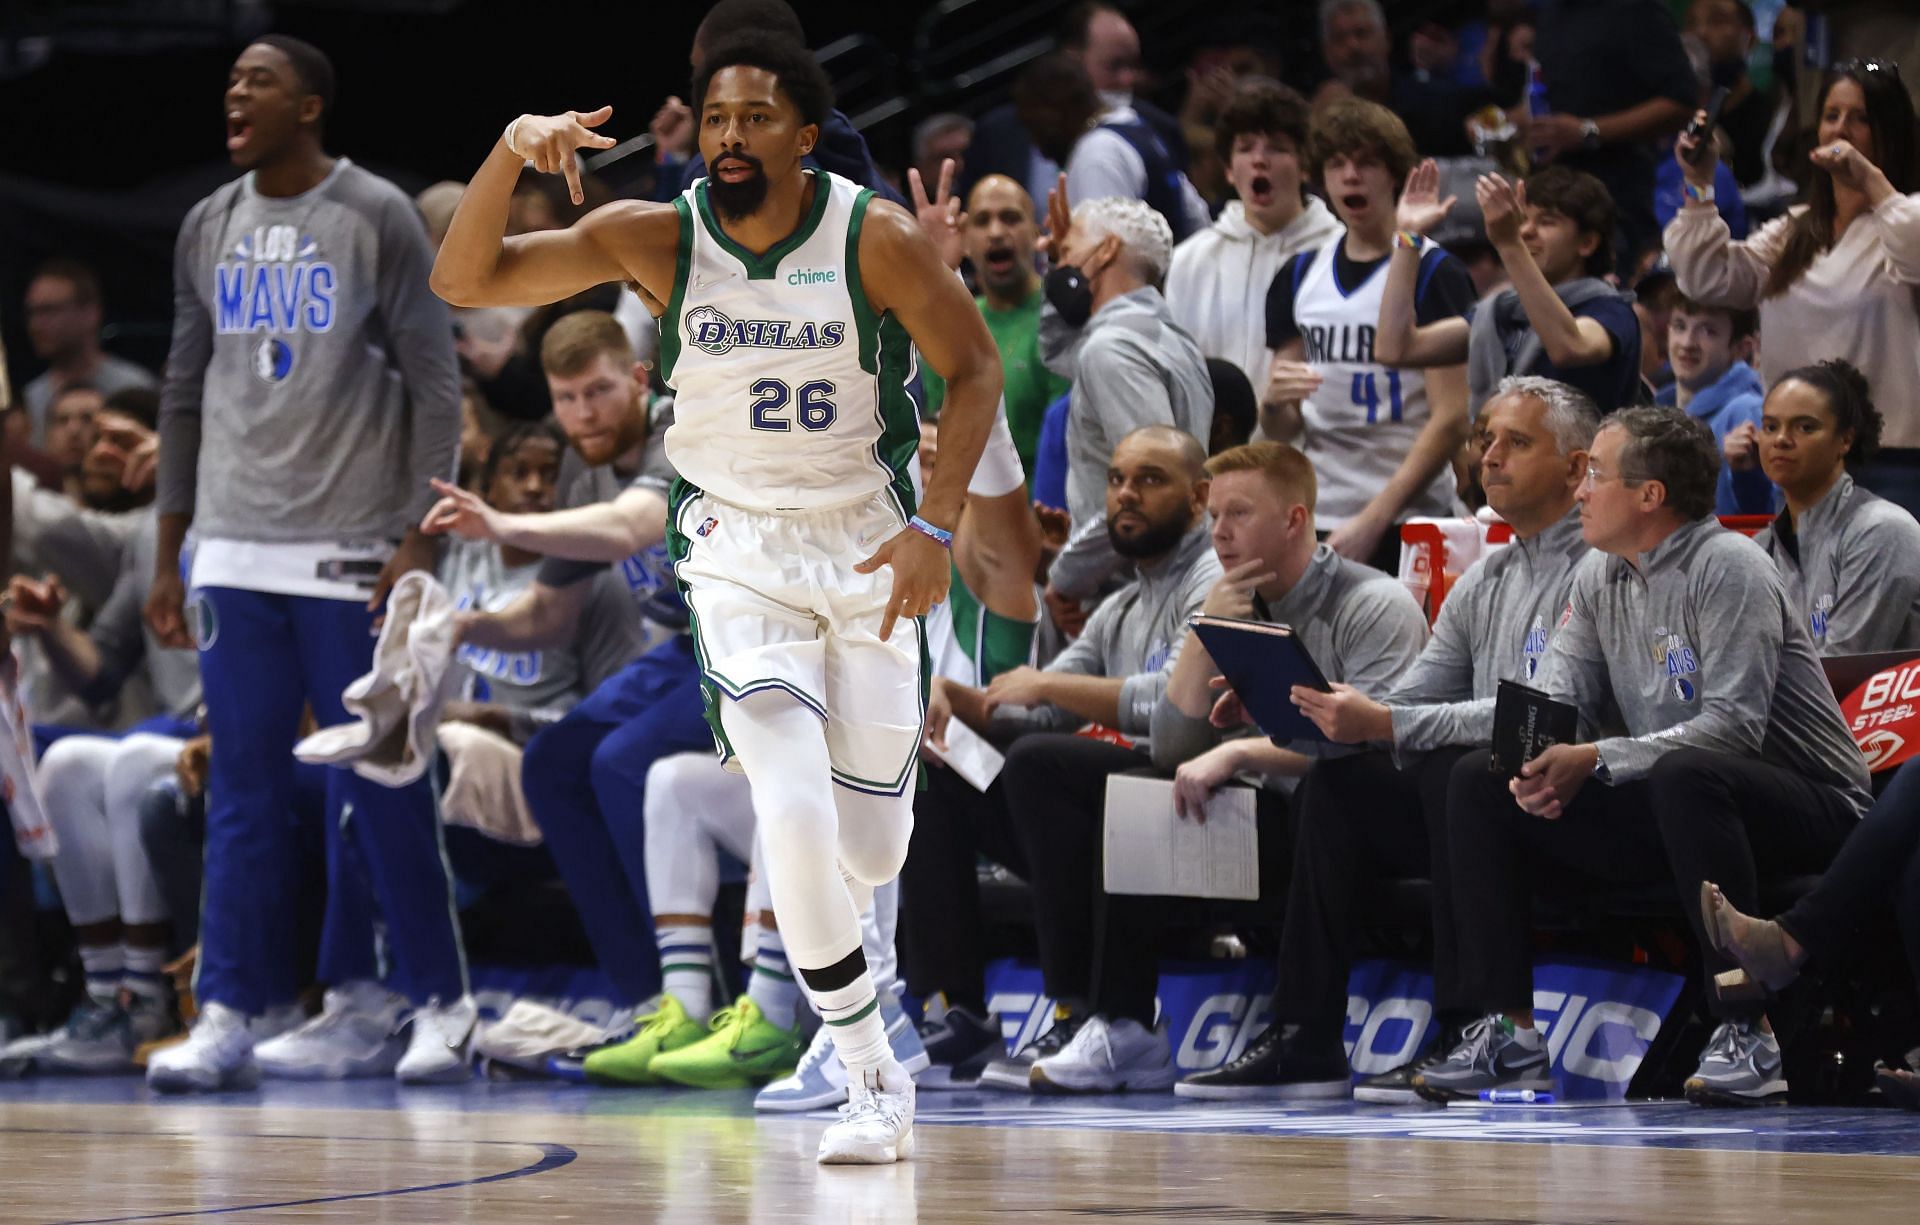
1595, 477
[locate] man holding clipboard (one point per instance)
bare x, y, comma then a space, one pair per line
1383, 812
1358, 624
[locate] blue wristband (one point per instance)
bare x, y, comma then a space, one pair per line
939, 535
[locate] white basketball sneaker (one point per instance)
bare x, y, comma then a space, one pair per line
437, 1051
1108, 1057
821, 1079
218, 1054
354, 1036
876, 1124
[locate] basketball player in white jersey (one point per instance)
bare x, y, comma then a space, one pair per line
1381, 439
792, 304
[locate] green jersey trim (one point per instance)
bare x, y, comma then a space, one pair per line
682, 268
765, 267
887, 353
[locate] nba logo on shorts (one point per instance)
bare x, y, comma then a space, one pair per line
706, 526
272, 360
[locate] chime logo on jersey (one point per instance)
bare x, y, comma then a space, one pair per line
1535, 646
713, 332
1672, 652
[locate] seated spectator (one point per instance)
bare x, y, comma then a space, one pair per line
1236, 414
1217, 285
1836, 276
92, 787
939, 139
1110, 676
1383, 812
63, 321
1733, 758
584, 777
436, 205
1851, 560
1105, 149
1708, 347
1617, 81
1559, 320
1130, 363
1381, 440
1106, 44
1654, 296
1880, 864
998, 236
1358, 624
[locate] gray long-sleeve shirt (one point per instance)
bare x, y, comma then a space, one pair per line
1131, 366
1493, 627
1698, 646
312, 387
1132, 636
121, 635
1852, 569
1362, 628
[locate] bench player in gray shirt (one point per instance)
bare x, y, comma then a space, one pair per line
1734, 760
1383, 812
1851, 560
311, 392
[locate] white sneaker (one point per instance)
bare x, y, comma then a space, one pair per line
1108, 1057
354, 1036
437, 1051
218, 1054
876, 1124
820, 1080
530, 1034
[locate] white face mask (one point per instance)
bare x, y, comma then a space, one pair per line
1115, 98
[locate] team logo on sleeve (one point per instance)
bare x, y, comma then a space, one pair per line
1671, 651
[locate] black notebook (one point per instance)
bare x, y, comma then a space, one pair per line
1527, 722
1263, 661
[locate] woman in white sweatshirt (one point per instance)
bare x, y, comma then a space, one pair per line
1217, 285
1839, 275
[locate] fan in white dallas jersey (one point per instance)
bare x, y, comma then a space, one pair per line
792, 305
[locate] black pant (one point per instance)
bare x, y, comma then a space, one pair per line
953, 825
1361, 819
1099, 950
1698, 815
1880, 862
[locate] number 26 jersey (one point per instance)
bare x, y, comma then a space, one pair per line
790, 391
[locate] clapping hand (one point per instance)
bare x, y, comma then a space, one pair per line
1421, 209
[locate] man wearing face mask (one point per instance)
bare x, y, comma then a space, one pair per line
1107, 327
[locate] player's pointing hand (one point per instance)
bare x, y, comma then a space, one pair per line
549, 141
921, 570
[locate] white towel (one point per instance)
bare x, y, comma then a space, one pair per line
483, 785
398, 703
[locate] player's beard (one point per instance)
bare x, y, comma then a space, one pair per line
1157, 538
738, 201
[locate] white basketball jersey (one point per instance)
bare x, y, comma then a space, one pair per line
1362, 422
790, 392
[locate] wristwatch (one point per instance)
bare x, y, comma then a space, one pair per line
1589, 135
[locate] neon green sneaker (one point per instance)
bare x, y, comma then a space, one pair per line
631, 1062
741, 1049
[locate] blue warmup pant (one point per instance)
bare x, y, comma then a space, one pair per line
585, 780
262, 657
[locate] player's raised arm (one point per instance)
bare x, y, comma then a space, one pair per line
905, 277
479, 265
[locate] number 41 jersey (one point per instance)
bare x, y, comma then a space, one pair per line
790, 392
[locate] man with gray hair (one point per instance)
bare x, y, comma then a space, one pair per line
1130, 363
1734, 760
1383, 812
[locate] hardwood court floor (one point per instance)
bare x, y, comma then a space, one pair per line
531, 1154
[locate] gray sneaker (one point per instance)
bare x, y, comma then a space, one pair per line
102, 1037
1740, 1067
1013, 1073
1493, 1054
